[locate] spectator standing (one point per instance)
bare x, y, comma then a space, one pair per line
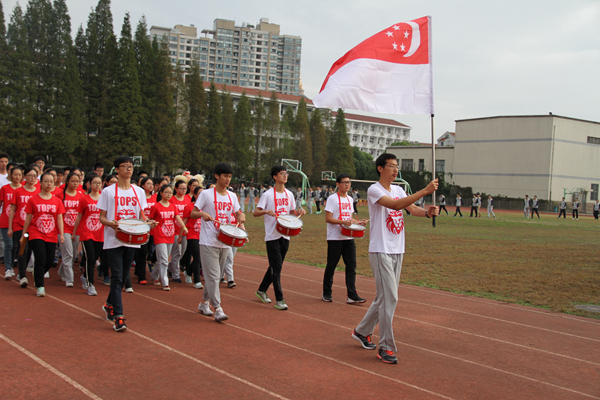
458, 204
473, 206
442, 201
318, 200
535, 206
242, 193
309, 199
576, 209
490, 206
563, 209
526, 206
596, 209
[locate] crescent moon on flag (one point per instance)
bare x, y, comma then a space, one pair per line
415, 40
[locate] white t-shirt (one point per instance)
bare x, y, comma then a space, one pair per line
333, 206
4, 180
387, 225
285, 205
127, 208
227, 205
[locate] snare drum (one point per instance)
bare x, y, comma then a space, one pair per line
289, 225
133, 231
232, 235
353, 231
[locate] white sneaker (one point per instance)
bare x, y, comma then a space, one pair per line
188, 279
30, 268
166, 288
263, 296
69, 284
204, 308
198, 285
41, 292
129, 290
8, 274
84, 284
92, 291
281, 305
23, 282
220, 315
47, 275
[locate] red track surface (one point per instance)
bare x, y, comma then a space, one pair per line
449, 345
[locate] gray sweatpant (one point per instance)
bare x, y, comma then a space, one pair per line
386, 271
229, 264
176, 253
162, 260
213, 267
68, 250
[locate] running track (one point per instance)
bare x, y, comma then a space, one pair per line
449, 346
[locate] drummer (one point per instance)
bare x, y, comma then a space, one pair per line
117, 202
273, 203
338, 211
220, 206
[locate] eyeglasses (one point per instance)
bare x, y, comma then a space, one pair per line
392, 166
127, 167
47, 181
345, 182
283, 174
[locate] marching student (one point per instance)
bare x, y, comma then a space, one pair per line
387, 203
44, 216
339, 212
16, 219
180, 201
273, 203
7, 193
90, 232
165, 214
119, 201
141, 254
218, 206
70, 197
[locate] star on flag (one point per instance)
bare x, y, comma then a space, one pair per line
395, 45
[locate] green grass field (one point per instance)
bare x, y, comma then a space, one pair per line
548, 263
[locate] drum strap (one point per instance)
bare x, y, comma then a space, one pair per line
275, 200
117, 201
217, 208
340, 205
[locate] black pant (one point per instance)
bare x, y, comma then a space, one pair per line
443, 207
276, 251
44, 258
458, 211
318, 203
563, 211
596, 214
140, 261
92, 251
23, 260
119, 261
347, 250
575, 213
473, 208
192, 252
356, 208
535, 210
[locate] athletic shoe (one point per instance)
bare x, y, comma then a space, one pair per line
84, 284
24, 282
106, 281
150, 267
30, 269
120, 324
364, 340
143, 282
387, 356
231, 284
41, 292
47, 275
280, 305
222, 280
355, 300
157, 283
92, 291
129, 290
166, 288
8, 274
204, 308
176, 280
263, 296
110, 312
198, 285
220, 315
326, 297
188, 279
69, 284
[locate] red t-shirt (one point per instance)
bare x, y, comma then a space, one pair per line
6, 195
165, 216
57, 192
180, 207
90, 227
44, 222
193, 224
20, 199
71, 204
150, 202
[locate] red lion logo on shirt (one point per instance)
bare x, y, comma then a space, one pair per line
70, 217
93, 223
168, 228
45, 223
395, 222
126, 214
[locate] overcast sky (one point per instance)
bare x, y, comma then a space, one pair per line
489, 58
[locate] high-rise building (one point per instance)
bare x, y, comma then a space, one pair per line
257, 57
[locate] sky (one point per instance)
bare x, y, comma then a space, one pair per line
524, 57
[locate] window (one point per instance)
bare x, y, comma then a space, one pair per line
593, 140
421, 165
594, 192
440, 166
407, 164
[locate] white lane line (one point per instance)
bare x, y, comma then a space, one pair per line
50, 368
443, 308
442, 293
216, 369
303, 349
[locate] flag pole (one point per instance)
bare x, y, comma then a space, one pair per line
433, 163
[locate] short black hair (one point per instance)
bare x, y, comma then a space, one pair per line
98, 165
382, 161
223, 168
38, 158
277, 169
60, 171
142, 172
122, 160
4, 155
340, 177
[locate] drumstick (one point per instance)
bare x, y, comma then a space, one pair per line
283, 218
296, 218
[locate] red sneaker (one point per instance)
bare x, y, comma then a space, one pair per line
143, 282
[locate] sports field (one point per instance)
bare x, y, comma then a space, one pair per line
548, 263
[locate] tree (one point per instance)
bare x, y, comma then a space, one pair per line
339, 150
363, 165
145, 62
259, 130
243, 151
195, 121
304, 148
216, 144
319, 141
286, 129
271, 139
228, 122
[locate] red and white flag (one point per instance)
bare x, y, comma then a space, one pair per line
390, 73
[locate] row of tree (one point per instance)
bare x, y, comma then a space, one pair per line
88, 100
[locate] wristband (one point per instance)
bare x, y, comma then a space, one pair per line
427, 215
